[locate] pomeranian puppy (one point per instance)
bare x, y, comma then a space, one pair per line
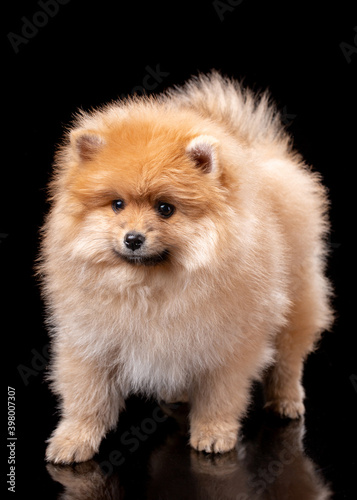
182, 258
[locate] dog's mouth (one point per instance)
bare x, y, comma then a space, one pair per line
145, 260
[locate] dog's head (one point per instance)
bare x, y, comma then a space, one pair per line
143, 194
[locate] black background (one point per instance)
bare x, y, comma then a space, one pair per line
88, 53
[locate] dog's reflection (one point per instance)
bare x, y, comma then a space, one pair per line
86, 481
270, 463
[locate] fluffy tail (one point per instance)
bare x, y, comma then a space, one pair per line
250, 115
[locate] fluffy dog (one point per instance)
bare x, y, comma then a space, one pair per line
182, 258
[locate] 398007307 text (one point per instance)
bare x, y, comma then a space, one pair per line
11, 439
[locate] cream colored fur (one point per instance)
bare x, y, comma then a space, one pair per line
242, 295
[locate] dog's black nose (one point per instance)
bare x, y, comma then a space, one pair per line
134, 240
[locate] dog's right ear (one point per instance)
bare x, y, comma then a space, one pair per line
86, 143
203, 151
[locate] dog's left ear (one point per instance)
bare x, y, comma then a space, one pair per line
203, 151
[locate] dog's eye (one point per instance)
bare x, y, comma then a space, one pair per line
165, 209
117, 205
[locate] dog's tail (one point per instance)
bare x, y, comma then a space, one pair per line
251, 115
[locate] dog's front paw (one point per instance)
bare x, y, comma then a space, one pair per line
287, 408
62, 450
213, 438
70, 443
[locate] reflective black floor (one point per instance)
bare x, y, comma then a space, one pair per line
269, 462
148, 457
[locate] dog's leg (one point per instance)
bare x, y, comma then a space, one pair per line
310, 315
90, 407
218, 401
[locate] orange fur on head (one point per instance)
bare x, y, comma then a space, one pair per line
183, 254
